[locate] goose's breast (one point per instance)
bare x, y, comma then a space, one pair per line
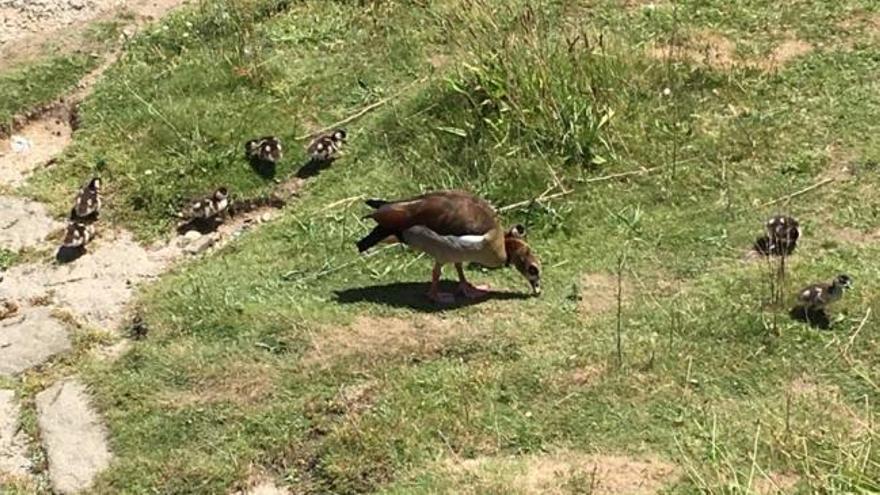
451, 248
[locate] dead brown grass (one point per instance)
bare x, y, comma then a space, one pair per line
718, 52
776, 483
567, 471
381, 336
599, 293
240, 383
825, 399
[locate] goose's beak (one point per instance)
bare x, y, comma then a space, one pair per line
536, 287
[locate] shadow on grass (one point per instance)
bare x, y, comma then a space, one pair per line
313, 168
413, 295
816, 318
263, 168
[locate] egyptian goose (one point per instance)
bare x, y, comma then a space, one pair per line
208, 207
325, 146
78, 234
817, 296
88, 200
453, 227
266, 149
783, 233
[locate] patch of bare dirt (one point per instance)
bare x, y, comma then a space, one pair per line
379, 336
705, 47
718, 52
785, 52
567, 472
776, 484
643, 4
860, 27
598, 293
27, 24
262, 487
826, 399
34, 145
358, 397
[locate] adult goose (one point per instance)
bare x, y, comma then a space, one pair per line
453, 227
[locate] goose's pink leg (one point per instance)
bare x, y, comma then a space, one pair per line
467, 289
434, 294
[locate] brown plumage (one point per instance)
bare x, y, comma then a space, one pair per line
452, 227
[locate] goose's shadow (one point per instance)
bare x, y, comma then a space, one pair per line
816, 318
413, 295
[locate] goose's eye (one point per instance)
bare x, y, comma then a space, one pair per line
534, 271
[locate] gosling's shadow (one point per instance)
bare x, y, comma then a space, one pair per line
816, 318
203, 226
264, 168
313, 167
413, 295
67, 254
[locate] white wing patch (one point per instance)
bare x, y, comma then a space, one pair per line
470, 241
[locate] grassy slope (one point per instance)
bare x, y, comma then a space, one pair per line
32, 84
705, 379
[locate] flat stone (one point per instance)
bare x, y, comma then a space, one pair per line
94, 287
29, 339
73, 436
24, 223
200, 245
13, 443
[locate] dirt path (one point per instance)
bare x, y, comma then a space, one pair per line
42, 301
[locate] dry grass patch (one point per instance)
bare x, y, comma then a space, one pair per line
570, 472
239, 383
785, 52
714, 50
705, 48
854, 237
825, 399
598, 293
382, 336
776, 483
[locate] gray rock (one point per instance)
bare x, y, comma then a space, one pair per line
30, 339
13, 443
200, 245
73, 436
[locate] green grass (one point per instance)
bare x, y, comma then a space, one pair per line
498, 99
32, 84
7, 258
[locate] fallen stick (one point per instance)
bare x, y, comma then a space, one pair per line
855, 334
342, 202
360, 113
544, 197
799, 193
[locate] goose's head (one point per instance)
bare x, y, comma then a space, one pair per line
520, 255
